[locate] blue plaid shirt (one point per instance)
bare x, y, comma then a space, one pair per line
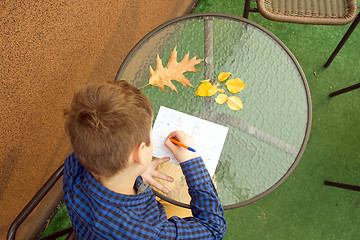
99, 213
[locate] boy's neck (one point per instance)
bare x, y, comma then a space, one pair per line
123, 182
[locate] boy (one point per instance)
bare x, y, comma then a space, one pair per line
105, 188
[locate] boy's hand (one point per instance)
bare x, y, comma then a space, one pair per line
150, 173
181, 154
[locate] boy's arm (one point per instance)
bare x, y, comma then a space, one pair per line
208, 220
205, 204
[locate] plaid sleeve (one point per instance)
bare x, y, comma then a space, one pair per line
195, 172
208, 220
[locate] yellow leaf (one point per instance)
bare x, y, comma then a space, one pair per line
212, 90
235, 85
234, 103
203, 89
223, 76
174, 70
205, 81
221, 98
221, 90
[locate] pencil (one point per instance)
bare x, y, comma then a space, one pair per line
182, 145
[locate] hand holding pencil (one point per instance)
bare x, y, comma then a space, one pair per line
181, 145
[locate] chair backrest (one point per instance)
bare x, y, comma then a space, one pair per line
317, 12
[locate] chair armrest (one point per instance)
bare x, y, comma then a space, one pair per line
34, 202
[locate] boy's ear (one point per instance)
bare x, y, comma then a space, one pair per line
139, 154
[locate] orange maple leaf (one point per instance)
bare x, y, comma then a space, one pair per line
174, 71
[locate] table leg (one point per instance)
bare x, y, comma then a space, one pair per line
251, 130
209, 49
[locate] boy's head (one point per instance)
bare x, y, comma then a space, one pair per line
106, 122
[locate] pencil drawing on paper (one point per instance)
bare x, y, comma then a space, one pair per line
209, 137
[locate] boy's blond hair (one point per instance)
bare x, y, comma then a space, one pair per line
106, 122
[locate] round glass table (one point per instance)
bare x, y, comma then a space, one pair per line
267, 138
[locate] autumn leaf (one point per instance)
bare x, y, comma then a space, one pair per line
235, 85
206, 89
234, 103
173, 71
223, 76
221, 98
203, 89
212, 90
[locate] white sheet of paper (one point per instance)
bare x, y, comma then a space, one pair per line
209, 137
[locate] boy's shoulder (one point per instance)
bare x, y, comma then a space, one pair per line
76, 174
72, 166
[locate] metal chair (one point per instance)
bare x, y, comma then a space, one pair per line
337, 184
344, 90
33, 203
317, 12
342, 185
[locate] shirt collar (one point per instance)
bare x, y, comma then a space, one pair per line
98, 191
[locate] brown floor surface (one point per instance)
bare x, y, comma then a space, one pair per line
48, 49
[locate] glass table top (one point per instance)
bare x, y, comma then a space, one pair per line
268, 136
